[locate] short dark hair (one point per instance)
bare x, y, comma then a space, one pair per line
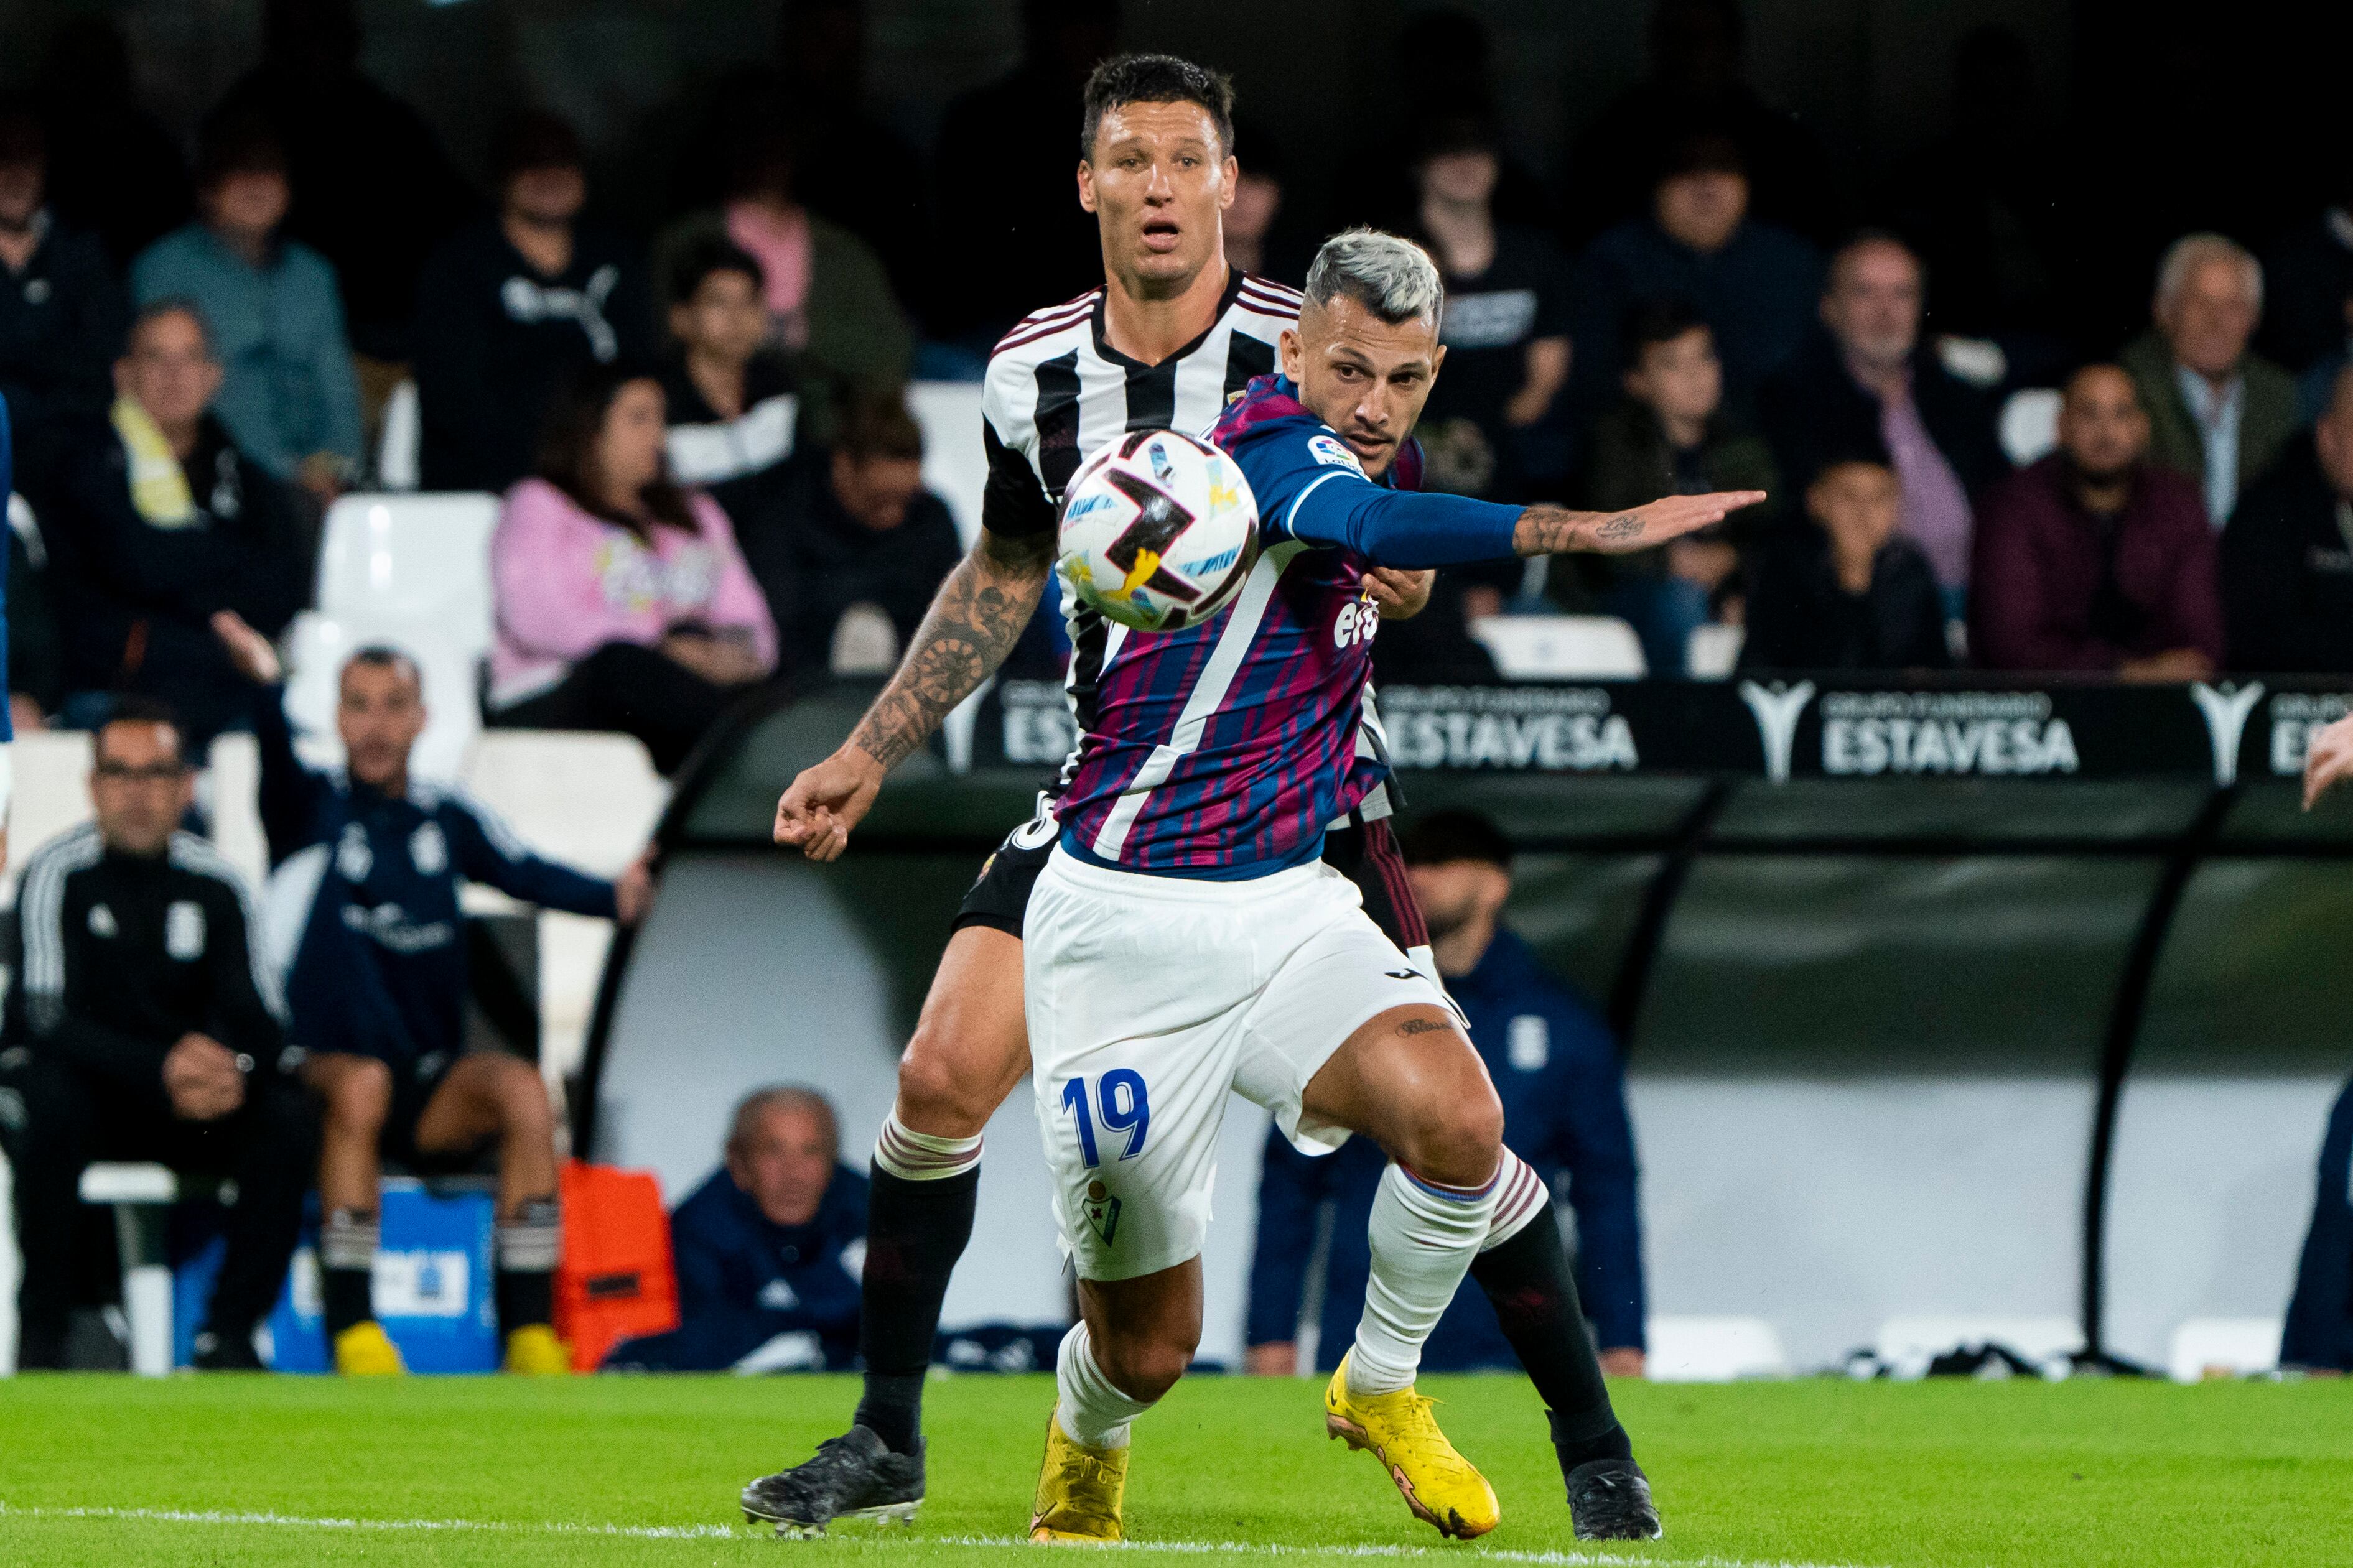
168, 305
1444, 836
536, 138
880, 428
702, 256
1156, 78
385, 656
1465, 131
1659, 321
1862, 239
237, 140
133, 708
22, 140
1701, 151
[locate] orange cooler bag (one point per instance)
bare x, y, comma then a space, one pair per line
616, 1281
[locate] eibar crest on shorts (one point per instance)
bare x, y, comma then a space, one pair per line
1102, 1212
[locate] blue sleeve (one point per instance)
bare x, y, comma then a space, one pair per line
1593, 1141
2319, 1329
1291, 1187
1327, 500
698, 1253
485, 849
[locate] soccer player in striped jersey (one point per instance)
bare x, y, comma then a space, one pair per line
1164, 340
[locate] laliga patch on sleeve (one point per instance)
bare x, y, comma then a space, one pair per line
1333, 450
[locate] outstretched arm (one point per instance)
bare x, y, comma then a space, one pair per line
1549, 529
1419, 528
974, 620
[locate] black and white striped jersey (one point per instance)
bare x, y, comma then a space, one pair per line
1058, 393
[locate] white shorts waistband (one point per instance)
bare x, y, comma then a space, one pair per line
1078, 873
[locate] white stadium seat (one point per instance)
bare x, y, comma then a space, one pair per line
2227, 1347
1714, 1349
1714, 651
2030, 424
139, 1193
956, 469
404, 433
413, 572
1561, 648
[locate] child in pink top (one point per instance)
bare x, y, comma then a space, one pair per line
622, 600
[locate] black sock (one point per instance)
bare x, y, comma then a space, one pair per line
915, 1231
343, 1298
525, 1295
1527, 1281
527, 1244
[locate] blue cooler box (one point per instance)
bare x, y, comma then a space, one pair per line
432, 1286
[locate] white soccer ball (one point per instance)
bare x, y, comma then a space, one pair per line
1158, 532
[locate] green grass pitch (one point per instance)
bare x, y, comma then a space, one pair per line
617, 1470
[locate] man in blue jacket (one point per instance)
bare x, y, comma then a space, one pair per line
770, 1249
366, 866
1555, 1068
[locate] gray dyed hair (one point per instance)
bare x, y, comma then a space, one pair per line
1393, 279
780, 1096
2192, 251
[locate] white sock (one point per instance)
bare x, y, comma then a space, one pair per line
1520, 1197
913, 1156
1093, 1413
1424, 1235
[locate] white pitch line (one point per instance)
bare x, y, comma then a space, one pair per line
991, 1542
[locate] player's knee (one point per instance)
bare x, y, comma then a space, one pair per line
1145, 1367
1460, 1138
524, 1107
360, 1098
940, 1095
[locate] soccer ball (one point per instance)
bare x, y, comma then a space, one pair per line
1158, 531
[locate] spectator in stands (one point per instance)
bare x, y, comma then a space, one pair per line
143, 1025
1506, 324
2319, 1334
2287, 556
770, 1249
1696, 81
374, 190
1869, 381
369, 863
1556, 1066
61, 314
734, 405
271, 304
830, 308
2309, 277
1264, 236
853, 168
2094, 559
623, 602
1756, 285
1669, 434
514, 303
114, 170
2218, 412
1006, 152
157, 521
865, 533
1849, 593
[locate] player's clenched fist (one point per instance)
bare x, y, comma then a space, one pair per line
2328, 761
825, 802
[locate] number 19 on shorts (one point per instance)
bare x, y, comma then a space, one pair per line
1119, 1102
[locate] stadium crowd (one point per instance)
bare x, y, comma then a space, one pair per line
711, 480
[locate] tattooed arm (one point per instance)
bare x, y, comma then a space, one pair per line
974, 620
1549, 529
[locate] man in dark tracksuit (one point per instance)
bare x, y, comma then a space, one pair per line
2319, 1332
1555, 1068
143, 1025
367, 866
769, 1250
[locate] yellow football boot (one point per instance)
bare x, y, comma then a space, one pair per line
1440, 1485
365, 1350
533, 1350
1079, 1492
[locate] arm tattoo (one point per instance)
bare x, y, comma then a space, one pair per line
1549, 529
1421, 1027
974, 620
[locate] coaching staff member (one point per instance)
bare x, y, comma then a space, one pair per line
142, 1026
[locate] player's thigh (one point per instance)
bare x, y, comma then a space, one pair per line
971, 1045
1407, 1079
1136, 1009
484, 1095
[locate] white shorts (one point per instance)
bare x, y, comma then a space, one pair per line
1149, 999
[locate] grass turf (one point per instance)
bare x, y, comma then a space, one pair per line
1814, 1472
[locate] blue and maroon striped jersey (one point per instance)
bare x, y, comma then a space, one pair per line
1222, 751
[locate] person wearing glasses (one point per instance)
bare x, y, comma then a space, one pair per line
145, 1025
